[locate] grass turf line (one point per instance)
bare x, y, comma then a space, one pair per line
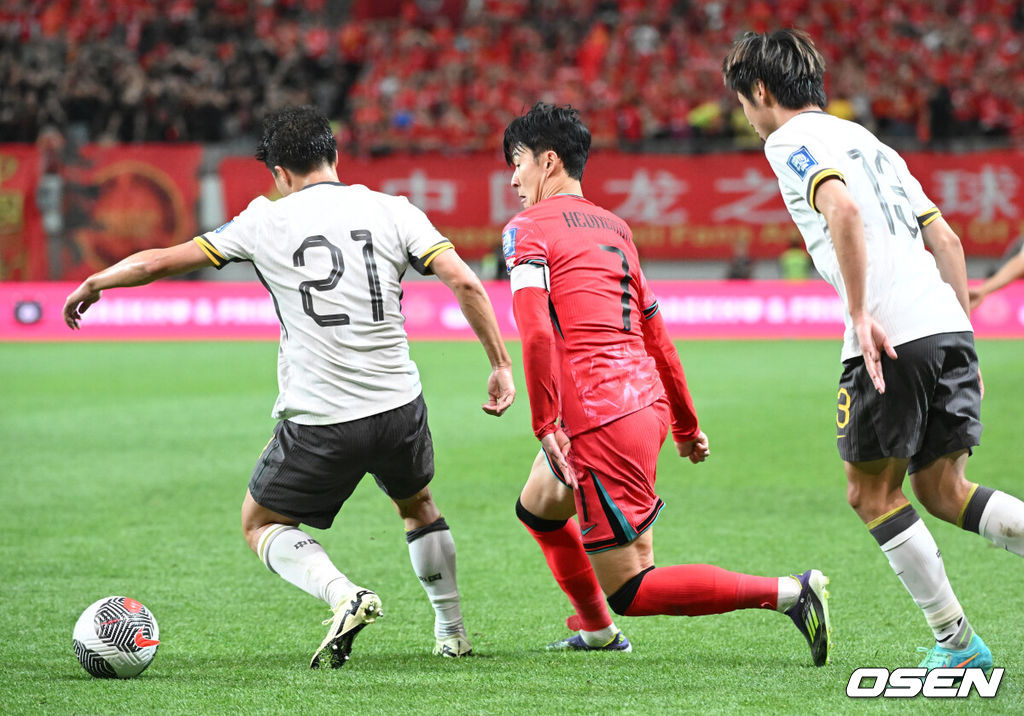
125, 465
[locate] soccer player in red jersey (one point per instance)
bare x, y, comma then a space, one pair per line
605, 386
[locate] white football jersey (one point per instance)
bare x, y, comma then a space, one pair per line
332, 257
904, 291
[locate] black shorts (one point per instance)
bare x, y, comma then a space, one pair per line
307, 472
931, 406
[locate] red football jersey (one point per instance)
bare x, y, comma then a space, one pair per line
598, 298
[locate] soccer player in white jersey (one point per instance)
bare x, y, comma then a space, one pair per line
332, 257
910, 395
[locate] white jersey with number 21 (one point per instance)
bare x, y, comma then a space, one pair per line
332, 256
904, 291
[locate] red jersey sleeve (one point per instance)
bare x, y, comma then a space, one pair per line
660, 347
522, 242
530, 307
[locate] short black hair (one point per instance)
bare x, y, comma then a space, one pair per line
297, 138
786, 61
547, 127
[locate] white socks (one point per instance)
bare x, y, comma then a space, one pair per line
601, 637
789, 592
915, 558
432, 552
298, 558
1002, 521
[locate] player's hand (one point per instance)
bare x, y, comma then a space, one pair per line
873, 341
556, 447
976, 297
697, 450
78, 302
501, 391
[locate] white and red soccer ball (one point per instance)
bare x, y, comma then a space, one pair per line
116, 638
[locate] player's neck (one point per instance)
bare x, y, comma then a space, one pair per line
783, 115
317, 176
568, 185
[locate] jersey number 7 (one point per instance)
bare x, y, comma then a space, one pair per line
624, 283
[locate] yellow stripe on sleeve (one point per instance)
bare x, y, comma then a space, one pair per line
215, 256
818, 179
929, 216
434, 251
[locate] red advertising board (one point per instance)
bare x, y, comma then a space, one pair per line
195, 310
22, 239
108, 202
679, 207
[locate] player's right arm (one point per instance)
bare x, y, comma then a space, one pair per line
476, 307
136, 270
845, 225
1009, 272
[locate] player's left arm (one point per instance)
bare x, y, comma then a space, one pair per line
686, 433
136, 270
949, 257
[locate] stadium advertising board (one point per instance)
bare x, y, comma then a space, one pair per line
679, 207
72, 212
22, 238
195, 310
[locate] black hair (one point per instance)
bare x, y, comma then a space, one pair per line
297, 138
786, 61
547, 127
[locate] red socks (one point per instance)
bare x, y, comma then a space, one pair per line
696, 589
563, 550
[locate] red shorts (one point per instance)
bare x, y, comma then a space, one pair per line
616, 465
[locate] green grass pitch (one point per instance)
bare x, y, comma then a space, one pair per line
124, 464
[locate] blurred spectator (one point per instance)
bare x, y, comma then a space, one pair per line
409, 76
795, 262
741, 267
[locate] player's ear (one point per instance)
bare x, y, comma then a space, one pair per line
551, 160
282, 175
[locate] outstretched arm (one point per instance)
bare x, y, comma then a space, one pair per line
1009, 272
138, 269
845, 225
476, 307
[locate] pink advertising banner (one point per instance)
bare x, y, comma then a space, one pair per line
193, 310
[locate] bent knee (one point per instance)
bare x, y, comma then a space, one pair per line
536, 522
622, 599
420, 507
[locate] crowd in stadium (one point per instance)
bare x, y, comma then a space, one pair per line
402, 76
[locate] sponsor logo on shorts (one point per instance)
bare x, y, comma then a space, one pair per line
951, 683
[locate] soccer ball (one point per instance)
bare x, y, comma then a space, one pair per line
116, 638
